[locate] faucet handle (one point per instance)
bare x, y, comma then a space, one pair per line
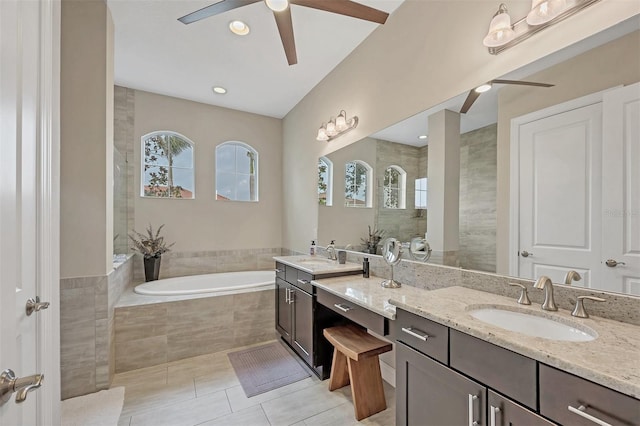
579, 310
524, 295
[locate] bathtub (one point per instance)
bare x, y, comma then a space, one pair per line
209, 283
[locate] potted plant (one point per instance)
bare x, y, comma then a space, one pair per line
371, 243
151, 246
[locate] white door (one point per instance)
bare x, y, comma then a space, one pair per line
25, 206
560, 194
621, 190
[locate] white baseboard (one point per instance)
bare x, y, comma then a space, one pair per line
388, 373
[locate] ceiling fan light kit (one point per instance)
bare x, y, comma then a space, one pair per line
544, 13
282, 14
336, 127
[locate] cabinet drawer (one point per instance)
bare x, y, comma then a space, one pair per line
560, 390
422, 334
503, 411
280, 271
505, 371
350, 310
303, 281
291, 274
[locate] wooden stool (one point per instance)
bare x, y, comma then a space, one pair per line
355, 360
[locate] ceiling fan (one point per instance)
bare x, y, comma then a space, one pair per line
282, 14
474, 93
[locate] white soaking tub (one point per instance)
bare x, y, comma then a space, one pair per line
208, 283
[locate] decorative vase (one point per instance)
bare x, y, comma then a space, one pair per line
151, 268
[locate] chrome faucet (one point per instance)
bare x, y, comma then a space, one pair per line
331, 250
545, 282
571, 276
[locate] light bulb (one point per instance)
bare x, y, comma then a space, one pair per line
239, 27
483, 88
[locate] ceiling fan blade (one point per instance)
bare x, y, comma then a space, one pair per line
285, 27
346, 7
523, 83
471, 98
214, 9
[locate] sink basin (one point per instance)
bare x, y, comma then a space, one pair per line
533, 325
318, 261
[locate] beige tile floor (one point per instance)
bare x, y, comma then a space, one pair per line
205, 391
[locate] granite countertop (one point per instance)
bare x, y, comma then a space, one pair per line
317, 265
368, 293
612, 359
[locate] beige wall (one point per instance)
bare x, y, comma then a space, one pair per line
86, 134
404, 67
615, 63
203, 223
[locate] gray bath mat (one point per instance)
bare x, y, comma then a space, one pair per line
264, 368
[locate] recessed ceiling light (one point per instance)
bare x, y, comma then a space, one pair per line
239, 28
483, 88
277, 5
422, 137
219, 90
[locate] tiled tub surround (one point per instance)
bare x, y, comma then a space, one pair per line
87, 353
152, 330
618, 307
610, 360
180, 264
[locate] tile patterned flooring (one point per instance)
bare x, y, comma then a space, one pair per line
205, 391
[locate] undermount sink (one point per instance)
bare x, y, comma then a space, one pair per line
533, 325
318, 261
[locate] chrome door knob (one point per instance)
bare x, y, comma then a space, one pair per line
613, 263
23, 385
525, 253
35, 305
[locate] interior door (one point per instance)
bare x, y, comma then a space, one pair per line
560, 195
19, 132
621, 190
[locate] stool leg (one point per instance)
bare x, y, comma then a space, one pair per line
339, 373
366, 387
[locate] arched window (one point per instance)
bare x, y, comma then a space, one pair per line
167, 166
394, 188
325, 182
236, 172
357, 182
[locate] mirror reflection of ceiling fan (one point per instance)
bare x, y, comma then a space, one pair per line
474, 93
282, 14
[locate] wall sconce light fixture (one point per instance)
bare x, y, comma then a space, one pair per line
336, 127
544, 13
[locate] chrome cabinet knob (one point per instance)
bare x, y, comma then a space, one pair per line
35, 305
613, 263
22, 386
525, 253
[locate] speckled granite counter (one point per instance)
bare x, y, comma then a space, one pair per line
612, 359
317, 265
368, 293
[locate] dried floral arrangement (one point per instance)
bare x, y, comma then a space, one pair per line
373, 239
151, 244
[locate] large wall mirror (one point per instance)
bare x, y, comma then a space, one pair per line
549, 177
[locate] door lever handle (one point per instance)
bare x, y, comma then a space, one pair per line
35, 305
10, 384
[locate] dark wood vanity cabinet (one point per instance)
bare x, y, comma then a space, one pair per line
300, 319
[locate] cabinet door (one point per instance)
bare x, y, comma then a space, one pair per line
429, 393
303, 324
504, 412
283, 309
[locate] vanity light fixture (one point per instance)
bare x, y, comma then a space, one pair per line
544, 13
336, 127
239, 28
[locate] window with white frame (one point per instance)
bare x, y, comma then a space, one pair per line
325, 182
357, 191
236, 172
394, 188
421, 193
167, 166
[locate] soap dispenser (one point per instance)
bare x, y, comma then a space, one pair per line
312, 249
